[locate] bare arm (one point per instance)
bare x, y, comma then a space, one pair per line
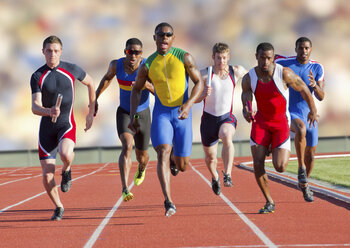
38, 109
247, 95
92, 99
298, 84
141, 79
207, 89
195, 75
106, 81
317, 86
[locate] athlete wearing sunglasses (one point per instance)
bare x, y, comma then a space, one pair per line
168, 69
125, 69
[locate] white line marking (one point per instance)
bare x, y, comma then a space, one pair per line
35, 196
17, 180
9, 172
252, 246
105, 221
245, 219
320, 189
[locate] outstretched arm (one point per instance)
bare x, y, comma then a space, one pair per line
298, 84
247, 95
141, 79
92, 99
195, 75
106, 81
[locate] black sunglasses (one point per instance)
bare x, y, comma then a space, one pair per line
167, 34
131, 52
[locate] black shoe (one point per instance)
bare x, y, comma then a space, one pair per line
227, 180
302, 177
268, 208
57, 214
307, 193
170, 208
66, 182
173, 169
215, 185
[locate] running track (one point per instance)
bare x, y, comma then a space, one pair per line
95, 215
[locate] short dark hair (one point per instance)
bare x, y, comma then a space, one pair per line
163, 24
265, 46
133, 41
51, 40
302, 39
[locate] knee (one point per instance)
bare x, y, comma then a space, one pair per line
47, 177
300, 130
143, 158
210, 159
127, 148
281, 167
183, 165
67, 157
259, 168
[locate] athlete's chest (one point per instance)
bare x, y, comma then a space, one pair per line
57, 80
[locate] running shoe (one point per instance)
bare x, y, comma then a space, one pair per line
139, 176
215, 185
173, 169
127, 196
268, 208
170, 208
57, 214
66, 182
227, 180
307, 193
302, 177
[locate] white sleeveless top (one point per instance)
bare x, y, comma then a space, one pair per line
220, 100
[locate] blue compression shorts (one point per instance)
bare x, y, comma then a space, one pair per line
311, 133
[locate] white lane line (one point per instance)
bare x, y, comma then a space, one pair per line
255, 229
105, 221
37, 195
12, 171
17, 180
320, 188
256, 246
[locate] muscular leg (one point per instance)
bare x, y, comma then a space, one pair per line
125, 158
48, 170
226, 133
309, 159
66, 151
280, 158
142, 157
211, 160
259, 153
163, 169
298, 127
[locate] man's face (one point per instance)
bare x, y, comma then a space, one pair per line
303, 51
52, 54
221, 60
164, 38
265, 59
133, 54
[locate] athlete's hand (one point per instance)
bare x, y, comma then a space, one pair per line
184, 111
312, 80
207, 90
55, 112
249, 114
89, 120
312, 119
96, 108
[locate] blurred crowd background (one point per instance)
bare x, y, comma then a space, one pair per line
94, 33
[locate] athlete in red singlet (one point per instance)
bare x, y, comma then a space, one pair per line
269, 83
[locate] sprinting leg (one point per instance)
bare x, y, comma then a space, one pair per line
143, 158
226, 133
211, 162
125, 164
66, 151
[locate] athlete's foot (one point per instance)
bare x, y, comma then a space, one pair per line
170, 208
302, 176
66, 182
127, 196
307, 193
58, 214
268, 208
139, 175
227, 180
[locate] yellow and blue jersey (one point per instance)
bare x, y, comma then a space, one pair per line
168, 75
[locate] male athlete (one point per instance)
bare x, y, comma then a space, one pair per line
54, 78
218, 120
306, 136
125, 70
168, 69
269, 82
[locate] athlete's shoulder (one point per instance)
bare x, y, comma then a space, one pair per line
40, 71
150, 59
178, 52
283, 60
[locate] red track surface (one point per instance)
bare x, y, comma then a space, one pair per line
202, 219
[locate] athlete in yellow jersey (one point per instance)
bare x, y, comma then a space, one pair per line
168, 69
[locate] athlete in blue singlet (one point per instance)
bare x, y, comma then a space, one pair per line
53, 78
125, 69
306, 136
